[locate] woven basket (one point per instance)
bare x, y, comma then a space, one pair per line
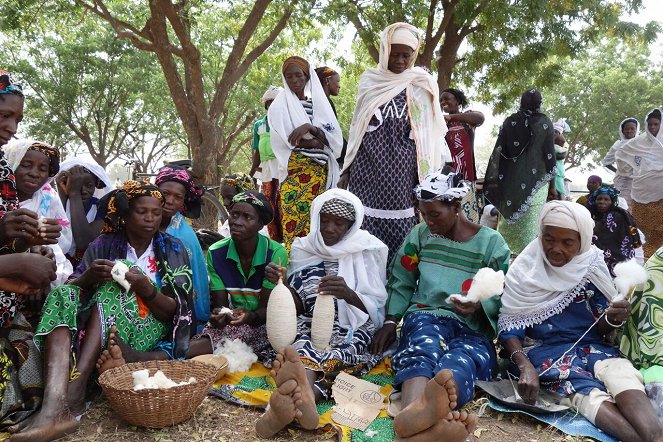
156, 408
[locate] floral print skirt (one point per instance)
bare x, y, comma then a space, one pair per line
306, 179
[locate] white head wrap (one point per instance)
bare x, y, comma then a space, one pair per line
438, 186
362, 261
535, 290
270, 94
93, 168
561, 126
408, 37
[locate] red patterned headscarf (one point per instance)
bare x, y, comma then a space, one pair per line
192, 200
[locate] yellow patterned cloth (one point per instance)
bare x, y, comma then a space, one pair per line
254, 388
306, 179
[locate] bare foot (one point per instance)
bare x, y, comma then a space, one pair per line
128, 353
23, 424
455, 427
288, 366
111, 357
45, 427
281, 411
436, 403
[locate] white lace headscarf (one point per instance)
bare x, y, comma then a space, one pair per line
535, 290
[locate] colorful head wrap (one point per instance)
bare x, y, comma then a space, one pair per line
440, 186
295, 60
114, 206
15, 150
325, 72
241, 182
270, 94
340, 208
8, 85
605, 190
192, 199
259, 202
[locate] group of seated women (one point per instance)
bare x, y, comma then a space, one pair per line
553, 322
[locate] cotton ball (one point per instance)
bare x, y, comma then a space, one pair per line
163, 381
281, 322
485, 284
239, 355
140, 376
322, 323
225, 311
628, 274
118, 273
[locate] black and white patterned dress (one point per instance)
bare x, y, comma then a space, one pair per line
348, 348
384, 174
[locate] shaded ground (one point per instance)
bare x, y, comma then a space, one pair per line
218, 421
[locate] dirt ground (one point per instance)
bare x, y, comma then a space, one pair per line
219, 421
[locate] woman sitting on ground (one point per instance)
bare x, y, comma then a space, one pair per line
34, 163
444, 346
82, 314
555, 291
238, 279
615, 232
77, 183
182, 198
336, 259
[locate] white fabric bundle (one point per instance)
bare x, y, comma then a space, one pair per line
485, 284
281, 317
143, 380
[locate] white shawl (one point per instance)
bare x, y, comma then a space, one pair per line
535, 290
610, 157
644, 155
46, 203
287, 113
362, 261
379, 85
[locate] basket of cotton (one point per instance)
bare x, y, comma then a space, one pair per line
157, 394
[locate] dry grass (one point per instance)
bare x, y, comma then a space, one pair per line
219, 421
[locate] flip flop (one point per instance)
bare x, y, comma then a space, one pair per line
395, 405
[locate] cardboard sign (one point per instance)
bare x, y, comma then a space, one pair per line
358, 402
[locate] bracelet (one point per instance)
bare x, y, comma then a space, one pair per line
611, 324
390, 322
152, 296
515, 352
12, 246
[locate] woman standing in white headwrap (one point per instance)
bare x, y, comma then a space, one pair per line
555, 290
396, 137
306, 140
643, 155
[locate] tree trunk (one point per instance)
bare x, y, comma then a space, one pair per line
446, 57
